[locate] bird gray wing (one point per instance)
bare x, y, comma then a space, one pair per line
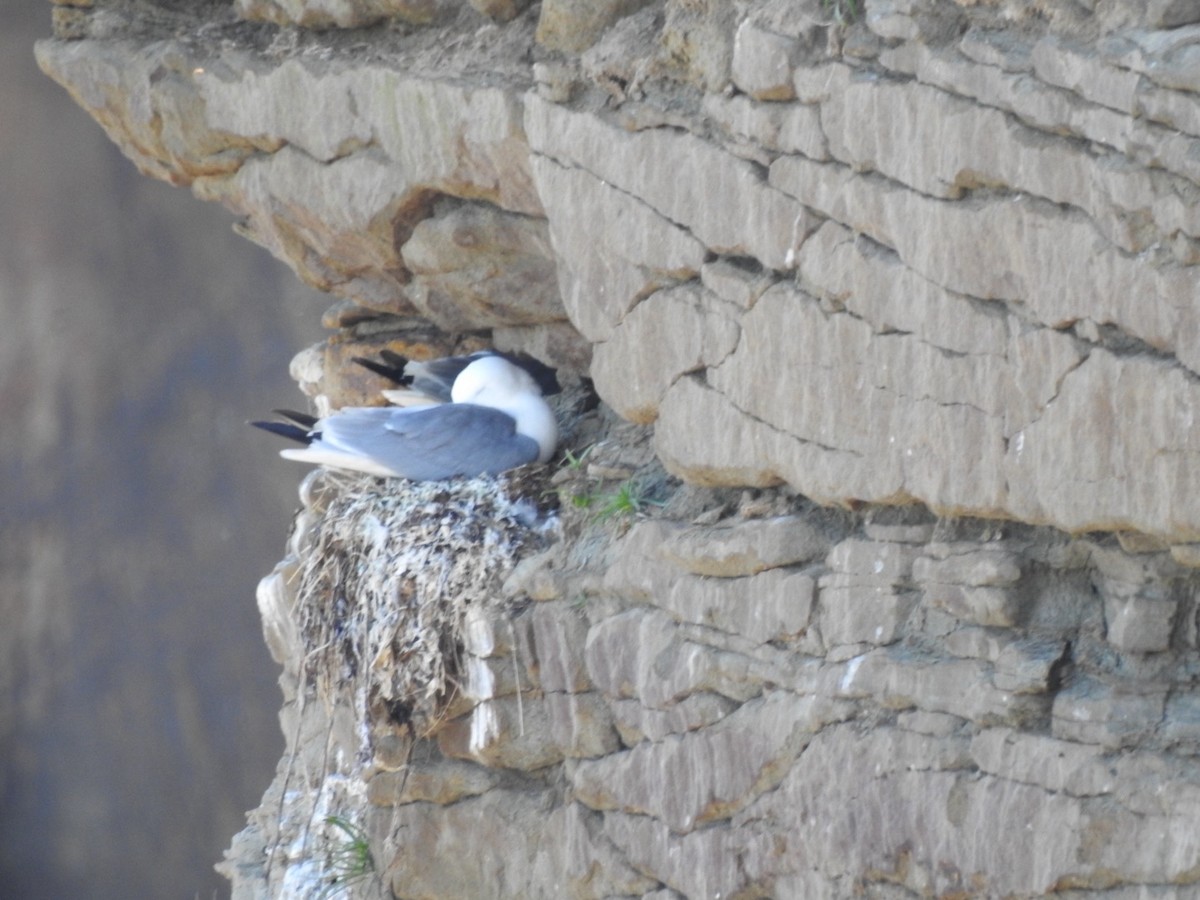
431, 443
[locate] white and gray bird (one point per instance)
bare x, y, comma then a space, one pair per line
496, 420
425, 382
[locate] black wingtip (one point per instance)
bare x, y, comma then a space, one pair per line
304, 420
545, 376
389, 369
287, 430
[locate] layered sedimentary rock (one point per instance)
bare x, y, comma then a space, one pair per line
903, 297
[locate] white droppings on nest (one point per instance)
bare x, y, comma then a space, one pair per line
390, 570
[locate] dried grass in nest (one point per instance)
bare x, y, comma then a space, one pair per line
388, 573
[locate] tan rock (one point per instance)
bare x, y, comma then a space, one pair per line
636, 723
736, 213
1139, 624
862, 609
763, 62
476, 266
785, 127
692, 330
442, 781
338, 13
745, 548
709, 774
602, 275
530, 732
574, 25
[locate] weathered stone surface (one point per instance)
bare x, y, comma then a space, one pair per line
961, 687
636, 723
883, 560
442, 782
648, 252
1092, 712
339, 13
696, 778
737, 213
575, 25
493, 839
476, 266
1139, 624
692, 329
1077, 769
763, 62
864, 609
530, 732
501, 10
744, 548
788, 128
967, 565
557, 631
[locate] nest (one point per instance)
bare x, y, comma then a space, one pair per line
389, 571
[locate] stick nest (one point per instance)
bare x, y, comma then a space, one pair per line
389, 570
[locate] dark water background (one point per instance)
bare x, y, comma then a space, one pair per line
137, 511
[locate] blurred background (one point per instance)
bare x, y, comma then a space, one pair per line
137, 510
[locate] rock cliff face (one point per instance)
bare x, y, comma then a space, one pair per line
902, 296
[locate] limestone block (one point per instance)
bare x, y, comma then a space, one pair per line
695, 778
1092, 712
890, 20
948, 564
734, 283
1140, 623
1181, 724
697, 42
443, 781
1080, 69
1056, 110
530, 732
997, 836
338, 13
702, 863
870, 281
786, 128
745, 548
579, 860
1133, 468
862, 609
960, 687
501, 10
889, 562
636, 723
558, 631
1167, 57
158, 123
574, 25
493, 840
692, 330
736, 213
981, 605
1033, 257
603, 274
642, 654
448, 136
476, 266
771, 606
763, 62
1027, 665
923, 418
1080, 770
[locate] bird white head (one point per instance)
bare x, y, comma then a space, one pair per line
494, 381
